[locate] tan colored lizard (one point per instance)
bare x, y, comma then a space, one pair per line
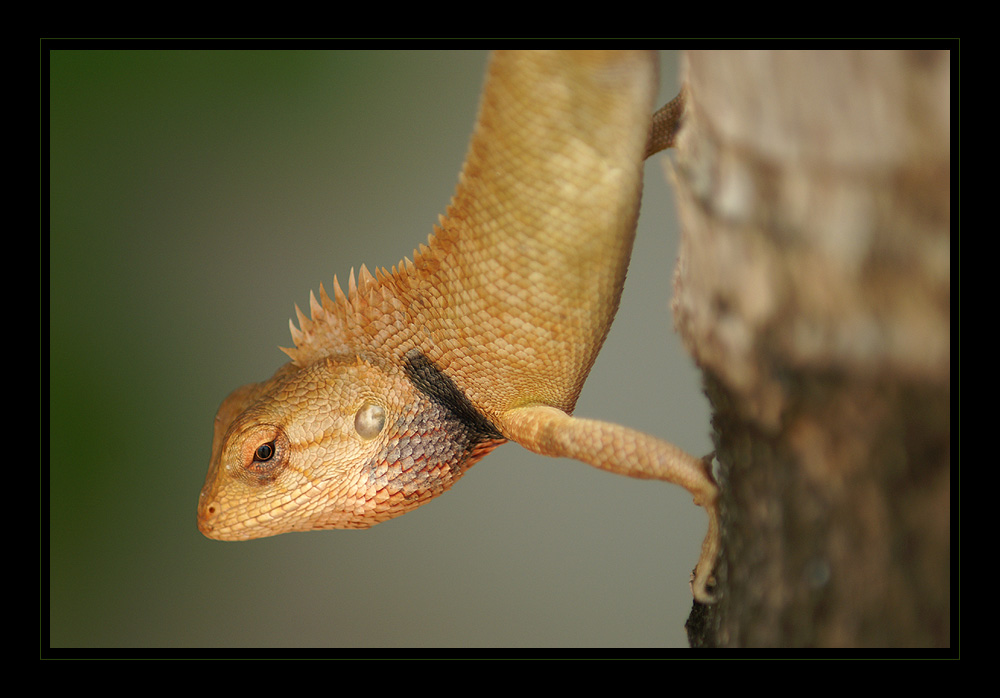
487, 335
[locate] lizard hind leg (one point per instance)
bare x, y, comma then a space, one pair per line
617, 449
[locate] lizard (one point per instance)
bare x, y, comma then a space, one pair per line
397, 388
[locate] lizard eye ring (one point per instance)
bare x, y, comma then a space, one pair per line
369, 420
264, 452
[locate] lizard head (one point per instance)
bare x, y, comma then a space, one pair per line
345, 442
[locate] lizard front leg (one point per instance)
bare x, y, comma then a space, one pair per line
617, 449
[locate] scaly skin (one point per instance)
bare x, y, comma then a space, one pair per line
397, 388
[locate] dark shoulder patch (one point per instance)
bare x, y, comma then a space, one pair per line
432, 382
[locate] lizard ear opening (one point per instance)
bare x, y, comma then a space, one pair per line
369, 420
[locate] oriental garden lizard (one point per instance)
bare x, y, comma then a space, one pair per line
394, 390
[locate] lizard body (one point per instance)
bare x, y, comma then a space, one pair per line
395, 389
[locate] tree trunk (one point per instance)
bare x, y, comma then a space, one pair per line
813, 289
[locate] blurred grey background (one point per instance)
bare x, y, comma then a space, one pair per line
195, 197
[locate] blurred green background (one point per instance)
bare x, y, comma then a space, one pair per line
195, 197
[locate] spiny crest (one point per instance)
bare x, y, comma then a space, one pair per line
446, 233
325, 333
336, 325
350, 321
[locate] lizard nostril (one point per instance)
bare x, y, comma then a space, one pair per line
206, 516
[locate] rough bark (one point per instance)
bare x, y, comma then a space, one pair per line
813, 289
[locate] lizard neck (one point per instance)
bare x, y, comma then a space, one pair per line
516, 289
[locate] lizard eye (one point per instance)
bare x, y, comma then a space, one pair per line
369, 420
264, 452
